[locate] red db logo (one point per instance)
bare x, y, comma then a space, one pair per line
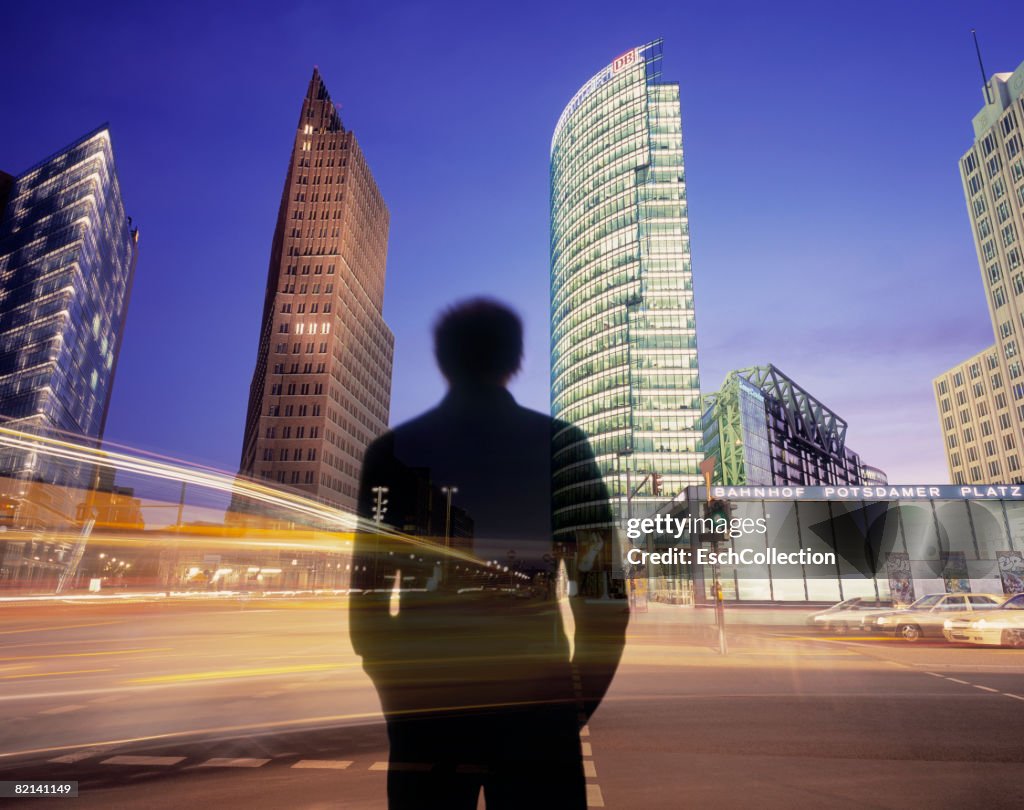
627, 59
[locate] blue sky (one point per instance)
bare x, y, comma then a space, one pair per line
829, 234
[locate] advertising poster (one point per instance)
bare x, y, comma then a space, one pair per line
954, 572
901, 585
1011, 571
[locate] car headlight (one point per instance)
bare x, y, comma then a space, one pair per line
947, 625
883, 620
980, 623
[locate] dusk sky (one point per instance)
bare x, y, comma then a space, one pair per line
829, 232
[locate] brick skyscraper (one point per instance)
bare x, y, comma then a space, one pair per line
322, 385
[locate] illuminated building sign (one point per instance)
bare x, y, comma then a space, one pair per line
628, 59
887, 492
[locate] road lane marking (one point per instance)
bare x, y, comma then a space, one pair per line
234, 762
227, 732
589, 769
334, 764
401, 766
141, 760
585, 731
840, 639
78, 756
86, 655
594, 796
63, 709
588, 749
51, 674
975, 685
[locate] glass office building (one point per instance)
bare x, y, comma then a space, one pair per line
67, 260
762, 427
623, 336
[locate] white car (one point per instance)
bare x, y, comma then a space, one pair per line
927, 616
1003, 626
848, 614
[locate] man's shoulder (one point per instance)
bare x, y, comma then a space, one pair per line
422, 423
437, 417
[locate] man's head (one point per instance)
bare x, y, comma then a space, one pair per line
478, 341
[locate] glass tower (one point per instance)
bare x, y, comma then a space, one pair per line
67, 260
623, 335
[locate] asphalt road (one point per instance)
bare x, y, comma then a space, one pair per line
261, 704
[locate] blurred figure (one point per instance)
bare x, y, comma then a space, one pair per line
471, 659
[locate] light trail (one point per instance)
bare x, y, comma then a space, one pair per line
342, 525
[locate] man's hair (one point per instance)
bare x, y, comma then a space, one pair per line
478, 340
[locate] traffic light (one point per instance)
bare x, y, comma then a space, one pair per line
720, 508
380, 506
656, 483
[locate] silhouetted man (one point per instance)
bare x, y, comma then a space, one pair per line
459, 624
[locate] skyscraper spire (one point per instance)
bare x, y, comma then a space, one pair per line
984, 75
321, 388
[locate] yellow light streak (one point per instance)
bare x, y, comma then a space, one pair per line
232, 674
208, 478
86, 655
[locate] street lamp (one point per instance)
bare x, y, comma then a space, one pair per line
448, 491
707, 469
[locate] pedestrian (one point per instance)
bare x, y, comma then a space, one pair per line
474, 674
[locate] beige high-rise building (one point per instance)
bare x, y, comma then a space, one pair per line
321, 390
981, 400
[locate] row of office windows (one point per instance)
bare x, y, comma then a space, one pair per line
290, 454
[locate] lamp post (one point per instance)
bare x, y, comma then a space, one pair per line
448, 491
707, 468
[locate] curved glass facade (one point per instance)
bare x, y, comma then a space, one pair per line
623, 335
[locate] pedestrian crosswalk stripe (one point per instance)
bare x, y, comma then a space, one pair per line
336, 764
234, 762
141, 760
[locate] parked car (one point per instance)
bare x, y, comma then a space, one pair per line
846, 615
1003, 626
927, 615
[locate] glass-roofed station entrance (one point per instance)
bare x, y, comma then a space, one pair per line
886, 542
